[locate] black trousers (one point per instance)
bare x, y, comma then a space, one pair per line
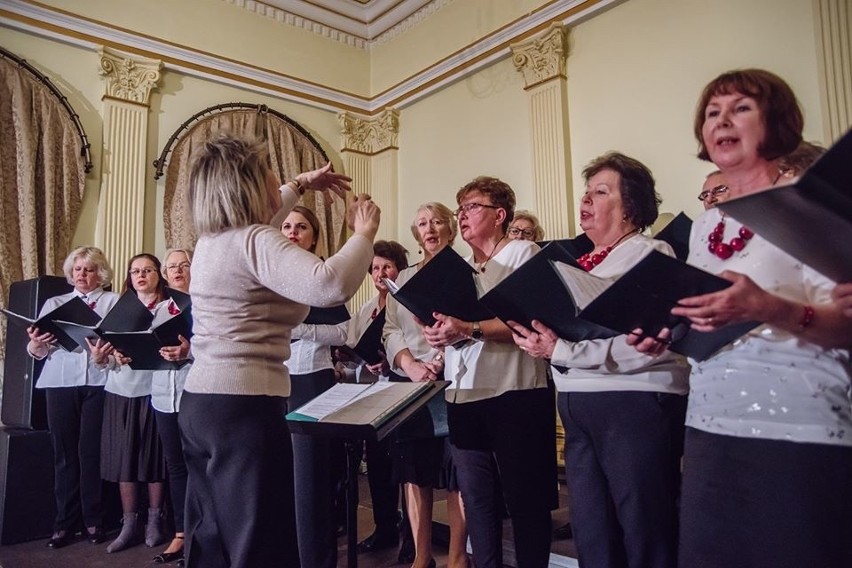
754, 502
622, 457
167, 426
316, 478
240, 510
504, 452
75, 417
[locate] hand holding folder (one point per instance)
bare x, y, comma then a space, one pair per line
74, 310
369, 348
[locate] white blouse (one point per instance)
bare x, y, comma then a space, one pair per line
312, 351
478, 370
599, 365
74, 369
401, 331
770, 384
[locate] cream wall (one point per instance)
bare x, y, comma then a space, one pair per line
477, 126
222, 28
636, 71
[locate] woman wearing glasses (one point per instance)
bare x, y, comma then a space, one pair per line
713, 191
166, 391
131, 452
525, 226
500, 410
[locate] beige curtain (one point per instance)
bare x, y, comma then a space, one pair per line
42, 180
290, 151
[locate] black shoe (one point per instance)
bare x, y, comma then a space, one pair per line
379, 540
97, 536
563, 533
166, 557
406, 551
59, 540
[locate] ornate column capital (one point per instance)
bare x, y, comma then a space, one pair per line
542, 58
129, 79
369, 135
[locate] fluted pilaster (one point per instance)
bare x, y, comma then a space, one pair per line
834, 54
121, 210
371, 158
542, 63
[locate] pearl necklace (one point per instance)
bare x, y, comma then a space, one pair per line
723, 250
589, 260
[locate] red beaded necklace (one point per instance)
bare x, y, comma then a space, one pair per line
724, 250
589, 260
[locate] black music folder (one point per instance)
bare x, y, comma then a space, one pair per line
362, 411
535, 291
327, 316
369, 344
133, 331
811, 218
576, 247
74, 310
676, 233
644, 296
446, 285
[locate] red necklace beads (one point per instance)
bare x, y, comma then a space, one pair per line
589, 260
725, 250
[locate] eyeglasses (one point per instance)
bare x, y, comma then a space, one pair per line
183, 266
527, 233
139, 271
469, 208
718, 190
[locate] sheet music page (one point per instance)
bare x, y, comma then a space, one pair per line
333, 399
369, 406
584, 287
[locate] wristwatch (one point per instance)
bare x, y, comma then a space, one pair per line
476, 331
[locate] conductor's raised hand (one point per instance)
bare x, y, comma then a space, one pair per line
364, 216
325, 179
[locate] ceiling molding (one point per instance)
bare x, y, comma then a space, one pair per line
64, 26
352, 22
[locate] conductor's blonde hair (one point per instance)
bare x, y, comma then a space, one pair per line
227, 184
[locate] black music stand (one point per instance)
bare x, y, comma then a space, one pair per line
353, 436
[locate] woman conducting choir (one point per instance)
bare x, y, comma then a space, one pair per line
622, 411
131, 452
767, 472
421, 464
240, 503
311, 374
501, 412
166, 392
75, 402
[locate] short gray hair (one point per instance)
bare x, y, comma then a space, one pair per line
92, 255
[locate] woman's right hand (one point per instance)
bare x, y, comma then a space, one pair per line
39, 345
650, 345
364, 216
120, 358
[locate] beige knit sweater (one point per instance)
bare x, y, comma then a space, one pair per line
250, 287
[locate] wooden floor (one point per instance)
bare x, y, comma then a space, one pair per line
82, 554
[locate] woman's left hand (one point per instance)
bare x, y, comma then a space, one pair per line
100, 350
538, 342
176, 352
842, 296
325, 179
740, 302
446, 331
380, 369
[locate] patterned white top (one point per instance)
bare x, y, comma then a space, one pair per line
770, 384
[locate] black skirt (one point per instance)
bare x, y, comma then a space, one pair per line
130, 445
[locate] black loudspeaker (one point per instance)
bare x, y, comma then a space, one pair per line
24, 406
27, 507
